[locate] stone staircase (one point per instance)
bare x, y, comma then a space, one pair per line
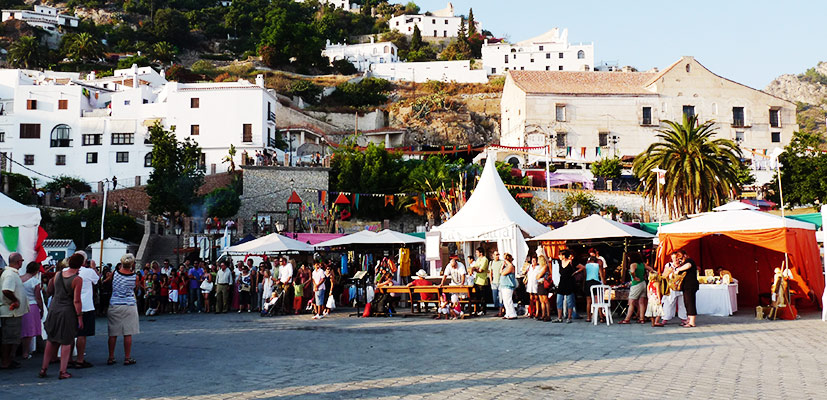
161, 247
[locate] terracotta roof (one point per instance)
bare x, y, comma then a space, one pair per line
593, 83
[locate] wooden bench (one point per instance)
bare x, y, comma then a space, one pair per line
465, 293
423, 290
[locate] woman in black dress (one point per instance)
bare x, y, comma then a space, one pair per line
689, 287
65, 316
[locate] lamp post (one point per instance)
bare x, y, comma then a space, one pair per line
661, 175
576, 209
178, 249
83, 231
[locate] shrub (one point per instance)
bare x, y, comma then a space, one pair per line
344, 67
222, 203
203, 67
71, 183
308, 91
367, 92
608, 168
20, 187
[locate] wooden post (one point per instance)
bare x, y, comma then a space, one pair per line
623, 263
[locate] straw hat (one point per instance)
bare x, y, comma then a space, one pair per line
421, 273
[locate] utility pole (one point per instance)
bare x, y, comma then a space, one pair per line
103, 217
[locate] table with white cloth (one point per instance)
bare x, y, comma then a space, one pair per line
720, 300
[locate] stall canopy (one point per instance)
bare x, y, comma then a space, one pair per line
270, 244
735, 205
360, 237
491, 214
750, 244
394, 237
593, 227
20, 231
386, 236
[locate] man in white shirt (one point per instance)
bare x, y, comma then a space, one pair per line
90, 278
13, 306
166, 269
319, 289
223, 280
285, 276
455, 271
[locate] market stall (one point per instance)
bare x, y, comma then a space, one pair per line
271, 244
749, 244
20, 231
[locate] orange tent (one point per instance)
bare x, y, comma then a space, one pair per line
750, 244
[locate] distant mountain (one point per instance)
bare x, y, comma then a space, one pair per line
809, 91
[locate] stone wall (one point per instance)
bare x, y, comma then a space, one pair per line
347, 122
266, 190
628, 202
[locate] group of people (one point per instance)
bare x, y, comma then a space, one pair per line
65, 298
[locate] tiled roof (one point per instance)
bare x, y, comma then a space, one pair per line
592, 83
57, 243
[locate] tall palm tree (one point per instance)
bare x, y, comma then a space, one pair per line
701, 171
84, 48
26, 52
164, 52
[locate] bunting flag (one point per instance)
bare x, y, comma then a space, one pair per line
388, 199
597, 151
583, 152
356, 200
568, 151
9, 238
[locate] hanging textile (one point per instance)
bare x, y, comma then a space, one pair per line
582, 152
344, 264
356, 200
405, 262
388, 199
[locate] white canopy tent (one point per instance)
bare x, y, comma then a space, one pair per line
593, 227
270, 244
735, 205
394, 237
386, 236
360, 237
735, 220
492, 214
19, 224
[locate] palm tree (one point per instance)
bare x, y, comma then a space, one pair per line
26, 52
701, 172
164, 52
84, 48
230, 159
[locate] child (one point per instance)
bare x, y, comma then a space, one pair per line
163, 296
182, 293
456, 308
173, 293
654, 309
444, 307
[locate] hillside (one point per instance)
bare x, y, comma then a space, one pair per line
809, 91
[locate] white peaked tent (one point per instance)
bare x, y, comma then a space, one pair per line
492, 215
394, 237
593, 227
19, 224
386, 236
735, 205
270, 244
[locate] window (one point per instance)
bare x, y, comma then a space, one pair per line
60, 159
522, 68
581, 55
31, 104
92, 139
433, 21
195, 130
60, 136
739, 137
195, 102
63, 104
247, 133
647, 116
560, 68
148, 160
776, 137
774, 118
548, 68
493, 71
435, 33
737, 116
506, 58
532, 60
91, 158
445, 33
122, 157
689, 111
541, 48
548, 55
446, 22
559, 55
127, 102
28, 159
561, 139
123, 138
603, 139
30, 131
560, 112
2, 136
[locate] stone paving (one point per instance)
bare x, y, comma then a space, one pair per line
245, 356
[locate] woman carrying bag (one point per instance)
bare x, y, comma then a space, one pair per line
507, 285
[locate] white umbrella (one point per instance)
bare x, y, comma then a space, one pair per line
361, 237
270, 244
593, 227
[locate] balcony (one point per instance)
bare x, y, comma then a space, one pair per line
271, 116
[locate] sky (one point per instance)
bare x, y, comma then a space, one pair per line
750, 42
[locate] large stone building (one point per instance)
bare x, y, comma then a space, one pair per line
550, 51
586, 116
441, 23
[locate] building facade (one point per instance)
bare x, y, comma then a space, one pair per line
362, 55
443, 71
55, 124
586, 116
48, 18
550, 51
441, 23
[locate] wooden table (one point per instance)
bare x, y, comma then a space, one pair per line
465, 292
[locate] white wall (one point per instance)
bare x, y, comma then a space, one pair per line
362, 55
577, 57
429, 26
445, 71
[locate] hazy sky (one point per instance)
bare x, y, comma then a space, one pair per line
748, 41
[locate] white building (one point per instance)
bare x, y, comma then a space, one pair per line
586, 116
550, 51
443, 71
441, 23
363, 55
57, 124
43, 17
343, 4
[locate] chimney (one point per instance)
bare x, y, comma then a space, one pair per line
91, 76
260, 80
372, 39
134, 75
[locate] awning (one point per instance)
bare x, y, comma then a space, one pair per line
151, 121
122, 126
91, 125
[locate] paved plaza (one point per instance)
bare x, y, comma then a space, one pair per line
245, 356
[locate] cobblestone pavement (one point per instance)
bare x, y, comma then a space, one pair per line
245, 356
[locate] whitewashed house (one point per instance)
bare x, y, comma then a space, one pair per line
443, 71
362, 55
96, 128
342, 4
48, 18
550, 51
441, 23
586, 116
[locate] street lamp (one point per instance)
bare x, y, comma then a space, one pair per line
83, 231
178, 250
659, 181
576, 209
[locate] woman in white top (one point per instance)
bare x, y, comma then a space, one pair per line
31, 321
531, 286
206, 289
267, 286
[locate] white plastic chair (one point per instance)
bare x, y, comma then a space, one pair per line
601, 299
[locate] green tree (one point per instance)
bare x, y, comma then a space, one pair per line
411, 8
344, 67
701, 172
608, 168
230, 158
126, 63
291, 34
67, 226
588, 203
171, 25
20, 187
369, 170
307, 90
472, 26
222, 203
164, 52
803, 168
458, 49
85, 48
176, 172
70, 183
27, 52
367, 92
416, 39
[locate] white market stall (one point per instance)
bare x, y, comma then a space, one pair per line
271, 244
386, 236
593, 227
19, 231
490, 215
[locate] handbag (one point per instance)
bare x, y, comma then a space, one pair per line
331, 302
508, 281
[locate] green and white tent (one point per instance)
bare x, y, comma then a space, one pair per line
19, 228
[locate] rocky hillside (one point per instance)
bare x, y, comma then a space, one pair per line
809, 91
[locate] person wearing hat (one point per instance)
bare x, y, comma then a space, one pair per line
421, 281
